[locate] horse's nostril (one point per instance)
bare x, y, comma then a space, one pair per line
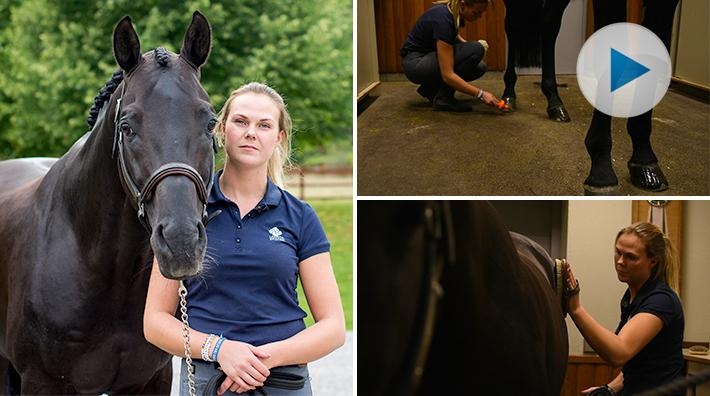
178, 236
159, 231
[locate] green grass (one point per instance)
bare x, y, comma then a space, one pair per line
337, 219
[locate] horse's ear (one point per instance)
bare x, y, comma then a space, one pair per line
198, 40
126, 45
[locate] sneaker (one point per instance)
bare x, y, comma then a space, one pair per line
427, 92
449, 103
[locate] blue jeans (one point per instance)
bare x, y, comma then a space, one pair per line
421, 68
204, 371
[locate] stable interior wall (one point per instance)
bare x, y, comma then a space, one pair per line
368, 74
692, 59
695, 273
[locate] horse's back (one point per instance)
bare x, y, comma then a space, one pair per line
16, 173
19, 180
536, 255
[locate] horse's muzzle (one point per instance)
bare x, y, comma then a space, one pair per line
179, 247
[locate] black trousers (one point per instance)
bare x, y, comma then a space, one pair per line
423, 68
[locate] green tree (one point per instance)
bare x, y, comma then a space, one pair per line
55, 55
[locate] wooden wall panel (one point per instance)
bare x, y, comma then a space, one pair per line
586, 371
394, 19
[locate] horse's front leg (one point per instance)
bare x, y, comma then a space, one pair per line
510, 78
643, 164
601, 179
35, 382
552, 14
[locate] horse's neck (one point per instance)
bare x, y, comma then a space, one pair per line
87, 188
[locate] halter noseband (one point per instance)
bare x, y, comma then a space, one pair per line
139, 196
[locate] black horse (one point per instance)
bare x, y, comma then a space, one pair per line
644, 171
78, 235
449, 302
531, 27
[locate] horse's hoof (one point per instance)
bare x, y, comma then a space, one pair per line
648, 177
601, 191
509, 104
558, 113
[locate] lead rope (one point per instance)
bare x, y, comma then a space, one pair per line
182, 292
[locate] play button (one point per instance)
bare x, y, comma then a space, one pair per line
623, 70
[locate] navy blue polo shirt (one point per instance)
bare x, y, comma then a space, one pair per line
247, 291
661, 361
436, 23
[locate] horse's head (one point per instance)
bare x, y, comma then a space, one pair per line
164, 142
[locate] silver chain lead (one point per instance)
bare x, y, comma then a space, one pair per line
182, 292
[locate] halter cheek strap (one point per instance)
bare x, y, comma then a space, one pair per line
441, 253
139, 196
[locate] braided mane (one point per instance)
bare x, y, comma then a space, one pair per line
104, 94
161, 56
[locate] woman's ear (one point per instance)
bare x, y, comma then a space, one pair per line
281, 136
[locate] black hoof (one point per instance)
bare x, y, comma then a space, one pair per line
648, 177
601, 191
509, 104
558, 113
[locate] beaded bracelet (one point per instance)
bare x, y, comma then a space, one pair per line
217, 345
206, 348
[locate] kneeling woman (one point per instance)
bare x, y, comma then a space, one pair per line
244, 317
437, 57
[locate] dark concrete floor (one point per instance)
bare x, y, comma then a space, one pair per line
405, 148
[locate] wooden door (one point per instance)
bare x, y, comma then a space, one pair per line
394, 19
674, 215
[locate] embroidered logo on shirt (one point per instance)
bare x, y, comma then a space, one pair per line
275, 234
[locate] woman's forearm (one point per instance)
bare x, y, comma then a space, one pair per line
165, 332
605, 343
617, 384
308, 345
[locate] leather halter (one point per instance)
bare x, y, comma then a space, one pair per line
139, 196
441, 252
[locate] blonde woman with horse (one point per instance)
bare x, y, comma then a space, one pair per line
246, 327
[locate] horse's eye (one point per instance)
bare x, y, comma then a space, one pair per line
211, 125
126, 129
